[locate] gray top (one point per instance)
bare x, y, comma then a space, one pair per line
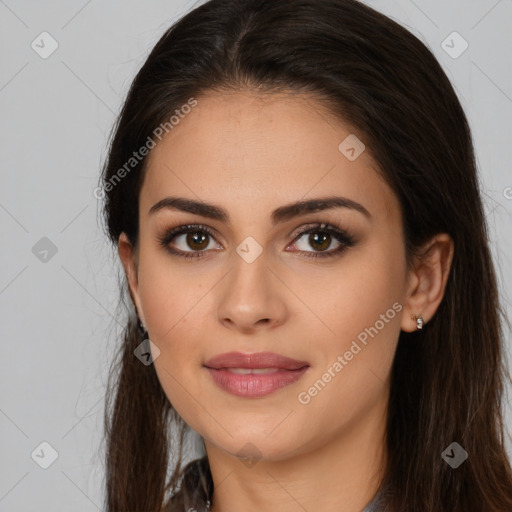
195, 493
376, 505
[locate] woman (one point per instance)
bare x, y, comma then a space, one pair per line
292, 190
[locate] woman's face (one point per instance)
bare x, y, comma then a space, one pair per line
252, 283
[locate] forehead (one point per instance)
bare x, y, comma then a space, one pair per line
254, 152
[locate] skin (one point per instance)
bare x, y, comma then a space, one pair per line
250, 153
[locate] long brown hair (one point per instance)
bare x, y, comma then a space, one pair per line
447, 380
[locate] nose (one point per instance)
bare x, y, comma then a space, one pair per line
252, 297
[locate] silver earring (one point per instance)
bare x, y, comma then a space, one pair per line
419, 321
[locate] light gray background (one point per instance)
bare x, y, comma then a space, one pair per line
59, 319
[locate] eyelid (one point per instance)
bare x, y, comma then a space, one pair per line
344, 237
306, 228
171, 233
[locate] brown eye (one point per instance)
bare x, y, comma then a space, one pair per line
325, 240
196, 240
320, 242
189, 241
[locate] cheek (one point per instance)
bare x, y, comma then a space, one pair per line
351, 295
360, 308
174, 302
170, 294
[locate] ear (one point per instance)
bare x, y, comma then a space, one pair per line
129, 259
427, 280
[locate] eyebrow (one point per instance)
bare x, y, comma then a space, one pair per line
281, 214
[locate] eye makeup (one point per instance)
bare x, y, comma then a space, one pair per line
327, 231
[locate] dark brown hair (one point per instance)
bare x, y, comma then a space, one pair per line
447, 380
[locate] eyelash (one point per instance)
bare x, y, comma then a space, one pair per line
346, 240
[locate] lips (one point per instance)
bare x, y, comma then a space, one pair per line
254, 375
258, 360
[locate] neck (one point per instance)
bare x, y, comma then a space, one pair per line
343, 473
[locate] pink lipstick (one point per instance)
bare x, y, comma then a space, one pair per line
254, 375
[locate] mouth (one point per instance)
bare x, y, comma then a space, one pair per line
254, 375
251, 371
254, 361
